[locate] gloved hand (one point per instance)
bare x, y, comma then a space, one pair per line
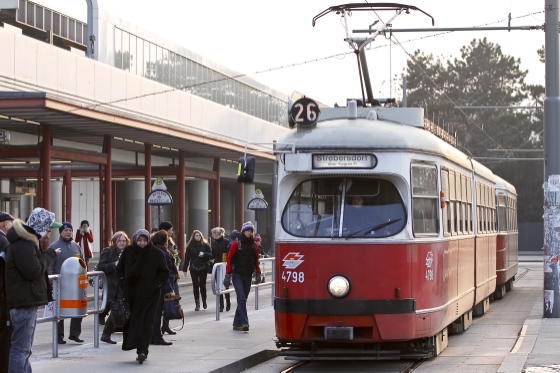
258, 278
200, 254
86, 230
227, 280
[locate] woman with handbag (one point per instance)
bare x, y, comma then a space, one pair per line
144, 271
108, 264
159, 239
197, 254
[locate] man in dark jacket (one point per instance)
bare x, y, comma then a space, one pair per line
6, 221
69, 249
27, 285
220, 246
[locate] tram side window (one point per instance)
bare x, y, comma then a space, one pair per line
502, 214
446, 211
515, 215
425, 199
458, 207
469, 205
478, 208
494, 211
452, 203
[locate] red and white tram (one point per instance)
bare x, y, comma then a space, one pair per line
387, 236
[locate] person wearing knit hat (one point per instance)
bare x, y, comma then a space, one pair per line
166, 226
145, 273
84, 237
242, 261
27, 286
69, 249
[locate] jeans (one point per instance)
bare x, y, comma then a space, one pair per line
199, 284
242, 285
24, 321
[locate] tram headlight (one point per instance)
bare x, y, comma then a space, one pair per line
339, 286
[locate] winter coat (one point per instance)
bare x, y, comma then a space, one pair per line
27, 283
170, 262
243, 260
219, 247
84, 239
108, 264
191, 256
69, 249
144, 272
3, 246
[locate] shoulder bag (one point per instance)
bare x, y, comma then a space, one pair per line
120, 310
172, 310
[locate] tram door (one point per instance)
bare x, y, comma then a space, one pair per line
11, 204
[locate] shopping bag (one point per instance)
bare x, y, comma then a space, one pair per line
49, 310
172, 310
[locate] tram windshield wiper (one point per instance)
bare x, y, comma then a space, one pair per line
375, 227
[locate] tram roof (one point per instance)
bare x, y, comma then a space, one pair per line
377, 135
503, 184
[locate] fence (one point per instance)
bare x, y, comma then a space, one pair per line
56, 308
219, 272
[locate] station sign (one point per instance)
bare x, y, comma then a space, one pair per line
346, 161
257, 202
159, 198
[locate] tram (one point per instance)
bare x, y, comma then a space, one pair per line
388, 237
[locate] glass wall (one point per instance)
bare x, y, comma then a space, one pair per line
151, 61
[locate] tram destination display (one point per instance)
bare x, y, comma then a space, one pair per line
357, 161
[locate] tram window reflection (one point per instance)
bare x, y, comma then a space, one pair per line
315, 208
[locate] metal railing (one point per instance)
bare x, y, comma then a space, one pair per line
95, 311
219, 272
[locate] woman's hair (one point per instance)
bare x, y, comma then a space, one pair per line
202, 239
221, 231
116, 237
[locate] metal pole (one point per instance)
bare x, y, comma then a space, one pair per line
551, 296
219, 287
56, 313
96, 316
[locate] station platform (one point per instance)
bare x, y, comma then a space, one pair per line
511, 337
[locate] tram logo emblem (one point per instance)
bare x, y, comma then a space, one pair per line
292, 260
429, 259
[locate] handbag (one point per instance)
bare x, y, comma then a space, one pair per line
120, 311
172, 310
209, 265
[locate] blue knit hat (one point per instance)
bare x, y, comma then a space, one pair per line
247, 226
64, 226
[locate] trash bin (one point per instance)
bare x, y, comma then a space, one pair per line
73, 288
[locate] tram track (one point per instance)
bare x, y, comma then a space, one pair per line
408, 368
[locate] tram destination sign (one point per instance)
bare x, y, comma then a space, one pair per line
355, 161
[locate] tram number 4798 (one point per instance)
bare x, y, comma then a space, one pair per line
293, 276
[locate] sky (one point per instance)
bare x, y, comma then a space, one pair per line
256, 35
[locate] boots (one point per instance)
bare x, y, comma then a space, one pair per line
204, 305
228, 304
221, 303
197, 308
166, 329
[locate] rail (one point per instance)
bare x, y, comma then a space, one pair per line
56, 308
219, 272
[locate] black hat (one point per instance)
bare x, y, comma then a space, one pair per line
165, 225
84, 222
5, 216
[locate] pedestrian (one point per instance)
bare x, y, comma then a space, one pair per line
171, 246
258, 242
27, 285
6, 222
198, 252
220, 246
84, 236
242, 261
144, 272
108, 263
159, 239
69, 249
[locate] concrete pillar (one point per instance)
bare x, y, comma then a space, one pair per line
249, 191
56, 206
67, 185
5, 186
27, 203
216, 196
198, 207
130, 206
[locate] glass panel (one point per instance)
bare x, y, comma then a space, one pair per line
469, 190
133, 58
118, 48
159, 64
126, 50
21, 14
172, 70
84, 32
212, 77
424, 181
48, 20
425, 215
56, 23
79, 36
39, 17
314, 208
30, 14
71, 29
140, 63
153, 61
64, 26
183, 75
165, 66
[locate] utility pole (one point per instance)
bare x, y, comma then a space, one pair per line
551, 250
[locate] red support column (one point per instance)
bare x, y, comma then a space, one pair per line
240, 204
148, 185
107, 192
114, 204
103, 244
46, 166
216, 207
68, 195
181, 205
39, 192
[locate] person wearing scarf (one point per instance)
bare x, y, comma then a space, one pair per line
142, 272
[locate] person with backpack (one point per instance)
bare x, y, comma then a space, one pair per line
242, 261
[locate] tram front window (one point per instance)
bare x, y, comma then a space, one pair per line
367, 207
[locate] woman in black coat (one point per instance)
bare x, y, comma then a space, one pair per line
108, 264
144, 272
198, 252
